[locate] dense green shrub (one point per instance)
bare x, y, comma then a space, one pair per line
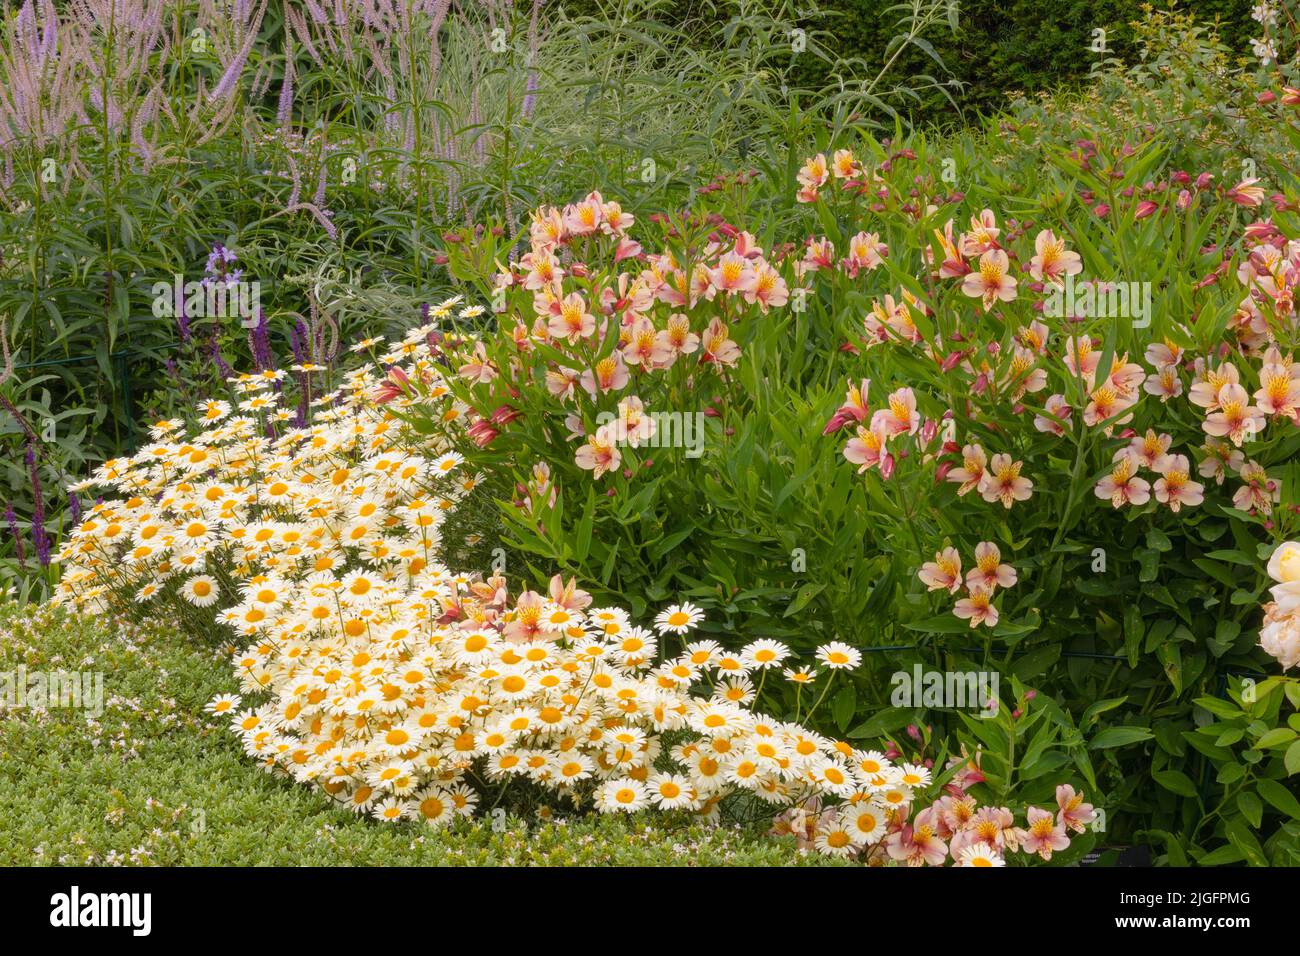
1001, 48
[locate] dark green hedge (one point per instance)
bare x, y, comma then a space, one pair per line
1002, 46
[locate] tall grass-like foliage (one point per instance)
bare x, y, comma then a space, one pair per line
327, 147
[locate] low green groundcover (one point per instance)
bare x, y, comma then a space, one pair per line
154, 780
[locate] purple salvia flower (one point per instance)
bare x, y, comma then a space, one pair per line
74, 506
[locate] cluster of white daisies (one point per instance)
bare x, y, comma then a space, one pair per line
401, 688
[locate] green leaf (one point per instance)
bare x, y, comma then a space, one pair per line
803, 596
1245, 841
582, 540
943, 624
843, 705
661, 548
881, 723
1148, 564
1097, 709
1219, 708
1292, 759
1280, 797
1275, 738
1158, 540
1250, 808
1119, 737
1221, 857
1175, 781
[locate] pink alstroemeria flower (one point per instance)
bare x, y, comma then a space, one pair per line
1043, 835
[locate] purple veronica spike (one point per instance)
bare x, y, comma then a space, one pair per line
214, 350
39, 537
298, 341
12, 520
259, 341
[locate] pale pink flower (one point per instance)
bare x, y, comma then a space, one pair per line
633, 426
526, 622
645, 346
562, 382
995, 827
609, 375
971, 473
585, 217
1002, 481
480, 370
989, 571
1164, 383
1043, 835
1052, 260
1057, 415
1122, 486
765, 287
1207, 383
1081, 358
983, 235
1162, 354
844, 165
854, 408
717, 347
977, 608
615, 219
1106, 405
992, 281
1220, 457
867, 449
813, 175
1281, 639
678, 336
1236, 418
819, 255
573, 321
1074, 814
568, 596
917, 844
1259, 493
732, 274
1174, 488
543, 270
943, 573
600, 454
1246, 193
546, 230
866, 251
1152, 449
901, 416
953, 265
1279, 392
1034, 337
